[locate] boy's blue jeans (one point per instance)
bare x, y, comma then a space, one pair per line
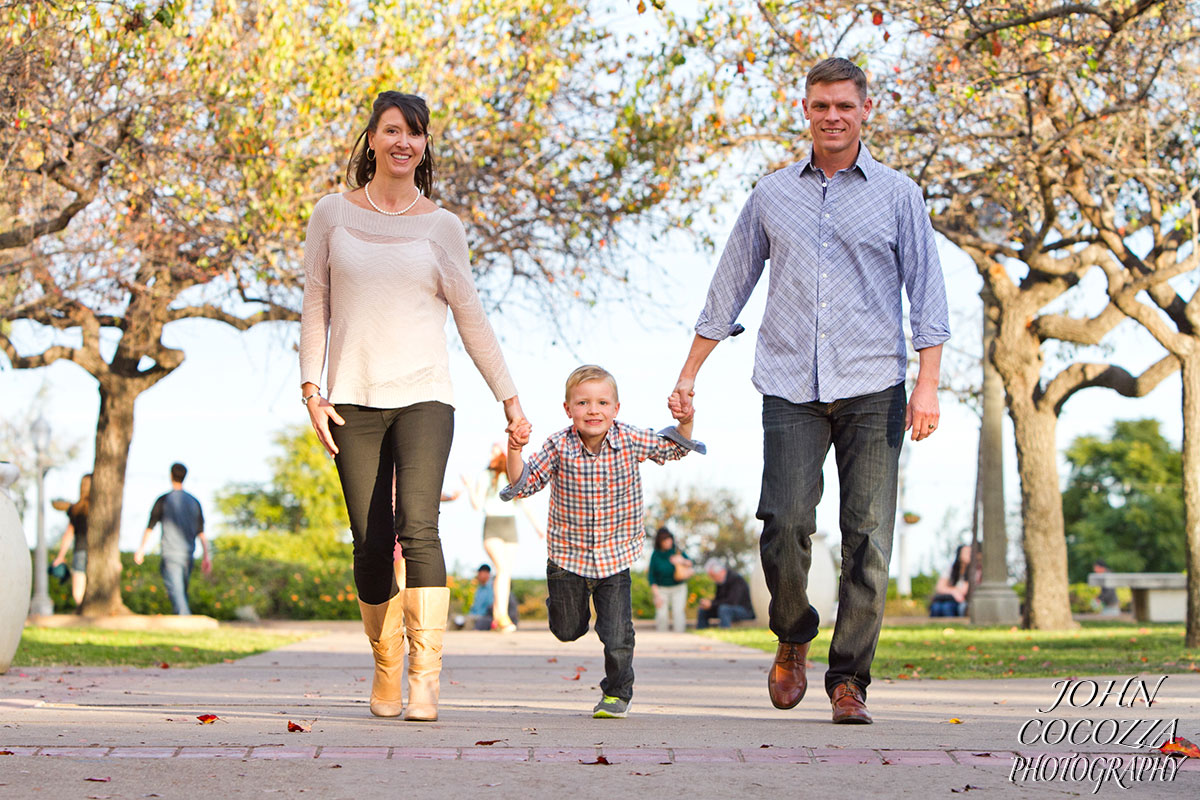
176, 574
567, 602
866, 433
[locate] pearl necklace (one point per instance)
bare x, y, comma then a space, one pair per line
406, 209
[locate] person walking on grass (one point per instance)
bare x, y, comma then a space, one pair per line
182, 522
382, 264
845, 237
595, 533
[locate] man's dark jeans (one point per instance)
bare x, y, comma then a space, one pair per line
866, 433
567, 601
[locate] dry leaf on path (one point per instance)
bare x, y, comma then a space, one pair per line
294, 727
98, 780
955, 721
601, 760
487, 742
207, 719
1182, 746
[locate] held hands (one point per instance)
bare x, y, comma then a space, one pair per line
519, 432
922, 414
680, 400
320, 412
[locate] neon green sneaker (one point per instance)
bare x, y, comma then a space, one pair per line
610, 708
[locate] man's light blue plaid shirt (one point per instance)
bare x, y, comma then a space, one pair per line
840, 250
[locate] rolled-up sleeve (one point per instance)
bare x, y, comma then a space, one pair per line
537, 473
921, 270
741, 265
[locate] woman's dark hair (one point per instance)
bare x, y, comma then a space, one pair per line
957, 571
360, 169
662, 535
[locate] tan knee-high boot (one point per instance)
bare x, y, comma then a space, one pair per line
384, 625
426, 610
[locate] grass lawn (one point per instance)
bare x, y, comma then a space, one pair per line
62, 647
936, 652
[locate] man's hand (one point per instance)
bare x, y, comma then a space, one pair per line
206, 565
922, 415
139, 556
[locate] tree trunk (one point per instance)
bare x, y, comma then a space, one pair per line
1047, 601
114, 432
1190, 367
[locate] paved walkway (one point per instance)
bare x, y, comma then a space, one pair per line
516, 723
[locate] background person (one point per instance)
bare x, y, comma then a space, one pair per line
383, 264
950, 592
668, 574
499, 534
182, 522
732, 601
76, 536
479, 616
1107, 599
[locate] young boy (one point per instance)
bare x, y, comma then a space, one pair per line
596, 518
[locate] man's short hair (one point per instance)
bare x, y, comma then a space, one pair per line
832, 70
178, 472
714, 565
590, 372
484, 568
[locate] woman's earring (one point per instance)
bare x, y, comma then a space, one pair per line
370, 154
424, 153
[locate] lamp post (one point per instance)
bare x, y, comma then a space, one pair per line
41, 604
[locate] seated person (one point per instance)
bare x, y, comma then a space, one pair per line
1107, 600
950, 594
732, 601
479, 617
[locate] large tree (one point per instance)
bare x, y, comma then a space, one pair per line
1006, 113
161, 161
1124, 501
707, 523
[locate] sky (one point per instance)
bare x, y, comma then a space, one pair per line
218, 411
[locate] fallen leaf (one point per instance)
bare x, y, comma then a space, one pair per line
7, 753
552, 660
966, 788
163, 665
601, 760
761, 746
296, 728
982, 755
530, 731
207, 719
954, 721
487, 742
491, 784
98, 780
454, 683
574, 677
1182, 746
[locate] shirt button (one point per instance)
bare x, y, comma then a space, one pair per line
822, 336
824, 244
824, 274
824, 304
826, 216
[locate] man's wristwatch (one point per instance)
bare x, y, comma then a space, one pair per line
304, 400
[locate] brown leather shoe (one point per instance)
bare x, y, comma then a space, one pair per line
849, 705
787, 680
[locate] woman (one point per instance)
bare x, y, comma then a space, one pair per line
76, 533
499, 532
950, 593
382, 264
669, 570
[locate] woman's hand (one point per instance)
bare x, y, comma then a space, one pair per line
58, 560
320, 412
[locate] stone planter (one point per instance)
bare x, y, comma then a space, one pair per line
16, 571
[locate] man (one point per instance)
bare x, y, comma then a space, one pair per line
1107, 599
479, 617
732, 601
843, 233
182, 524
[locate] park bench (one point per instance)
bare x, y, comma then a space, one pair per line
1157, 596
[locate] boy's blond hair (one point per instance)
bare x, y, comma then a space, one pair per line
590, 372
